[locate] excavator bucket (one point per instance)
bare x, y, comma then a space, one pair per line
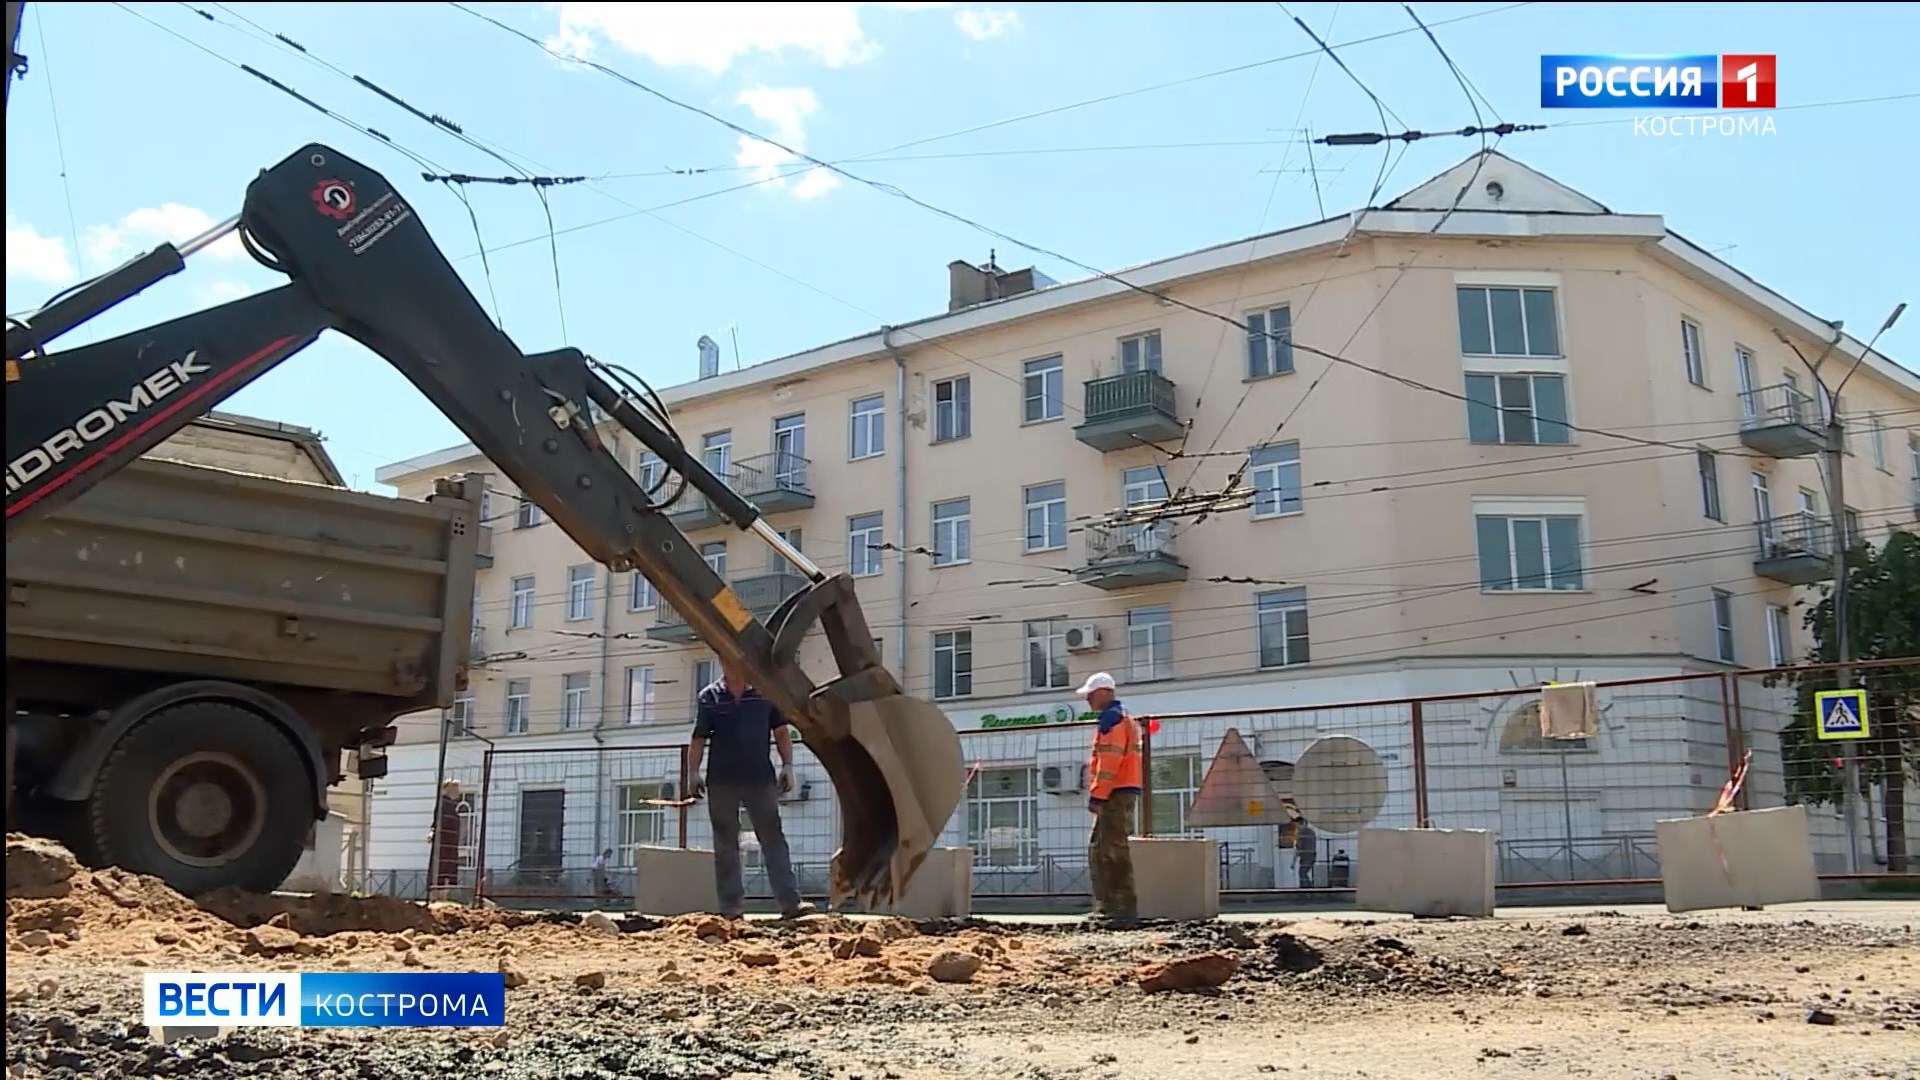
897, 770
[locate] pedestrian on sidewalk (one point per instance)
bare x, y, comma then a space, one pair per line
737, 724
1114, 784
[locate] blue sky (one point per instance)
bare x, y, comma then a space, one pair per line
157, 138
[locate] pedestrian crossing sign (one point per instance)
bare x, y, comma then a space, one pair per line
1840, 714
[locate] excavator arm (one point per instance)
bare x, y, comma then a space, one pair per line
360, 261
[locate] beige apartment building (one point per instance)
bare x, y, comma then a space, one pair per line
1558, 441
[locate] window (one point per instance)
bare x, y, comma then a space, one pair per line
1747, 377
790, 452
460, 716
705, 673
716, 452
715, 554
1690, 350
573, 699
952, 409
795, 538
952, 664
1521, 410
1779, 636
1507, 321
1176, 780
1762, 503
640, 819
1044, 385
1850, 521
1877, 431
526, 514
520, 604
1709, 484
641, 595
952, 532
486, 507
647, 468
518, 697
1281, 629
1913, 458
1046, 506
1269, 342
1003, 818
579, 593
1141, 352
868, 435
1529, 552
1144, 485
1047, 655
640, 694
1723, 625
865, 537
1276, 480
1150, 643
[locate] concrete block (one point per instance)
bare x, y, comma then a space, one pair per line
942, 888
1750, 858
1176, 878
1430, 873
673, 881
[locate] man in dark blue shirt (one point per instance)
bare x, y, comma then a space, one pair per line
738, 724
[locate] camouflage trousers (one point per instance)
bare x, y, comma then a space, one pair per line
1110, 859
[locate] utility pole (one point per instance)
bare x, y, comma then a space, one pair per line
1835, 454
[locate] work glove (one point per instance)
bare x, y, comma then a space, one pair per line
786, 779
1093, 805
699, 788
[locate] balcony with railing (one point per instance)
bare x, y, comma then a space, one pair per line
758, 593
1796, 550
1781, 422
1133, 409
774, 483
1126, 556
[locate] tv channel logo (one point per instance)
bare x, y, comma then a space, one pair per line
324, 999
1706, 81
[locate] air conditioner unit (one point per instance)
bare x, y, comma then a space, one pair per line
1083, 637
1063, 779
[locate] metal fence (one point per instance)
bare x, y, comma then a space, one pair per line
1564, 812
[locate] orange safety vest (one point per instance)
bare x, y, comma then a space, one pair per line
1115, 764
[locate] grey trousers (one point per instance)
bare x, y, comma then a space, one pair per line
762, 804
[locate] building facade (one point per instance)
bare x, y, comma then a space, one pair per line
1443, 449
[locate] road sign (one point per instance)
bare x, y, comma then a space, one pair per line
1840, 714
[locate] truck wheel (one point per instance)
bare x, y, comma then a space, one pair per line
203, 796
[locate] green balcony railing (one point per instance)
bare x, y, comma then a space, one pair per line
1136, 393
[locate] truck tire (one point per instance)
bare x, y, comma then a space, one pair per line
203, 796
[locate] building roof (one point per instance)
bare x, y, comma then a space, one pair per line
306, 440
1488, 194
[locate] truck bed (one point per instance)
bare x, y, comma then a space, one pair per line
193, 571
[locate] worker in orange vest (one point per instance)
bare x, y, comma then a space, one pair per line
1113, 791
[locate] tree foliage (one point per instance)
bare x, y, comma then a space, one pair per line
1883, 619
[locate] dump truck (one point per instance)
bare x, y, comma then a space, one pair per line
196, 655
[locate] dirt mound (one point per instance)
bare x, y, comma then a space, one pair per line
52, 899
322, 915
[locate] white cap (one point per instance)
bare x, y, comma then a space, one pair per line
1099, 680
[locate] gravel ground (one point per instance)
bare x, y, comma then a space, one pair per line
1776, 995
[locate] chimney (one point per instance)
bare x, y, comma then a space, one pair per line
709, 357
968, 284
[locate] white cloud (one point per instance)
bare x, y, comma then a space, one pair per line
784, 112
107, 246
983, 23
34, 257
712, 36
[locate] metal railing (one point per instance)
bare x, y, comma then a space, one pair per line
1795, 535
1124, 543
1768, 406
764, 474
760, 593
1133, 393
